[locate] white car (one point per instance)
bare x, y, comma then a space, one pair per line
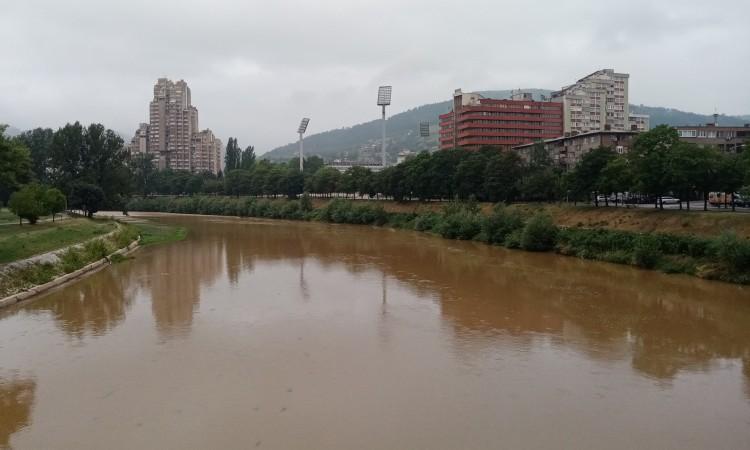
667, 200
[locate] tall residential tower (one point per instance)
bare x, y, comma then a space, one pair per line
172, 135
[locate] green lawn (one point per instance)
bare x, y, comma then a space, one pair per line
18, 242
8, 217
153, 233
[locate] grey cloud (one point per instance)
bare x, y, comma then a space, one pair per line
256, 67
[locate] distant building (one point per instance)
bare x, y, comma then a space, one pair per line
566, 151
139, 143
342, 165
172, 135
639, 122
205, 152
404, 155
596, 102
476, 121
728, 139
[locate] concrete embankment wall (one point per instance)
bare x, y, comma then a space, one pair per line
68, 277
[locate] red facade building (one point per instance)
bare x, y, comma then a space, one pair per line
477, 121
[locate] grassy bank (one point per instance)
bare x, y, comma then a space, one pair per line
156, 233
722, 256
20, 279
19, 242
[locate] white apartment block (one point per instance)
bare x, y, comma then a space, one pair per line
597, 102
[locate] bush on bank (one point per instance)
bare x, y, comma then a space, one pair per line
725, 258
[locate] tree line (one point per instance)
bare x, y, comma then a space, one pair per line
92, 169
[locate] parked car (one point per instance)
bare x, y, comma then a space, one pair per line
667, 200
741, 201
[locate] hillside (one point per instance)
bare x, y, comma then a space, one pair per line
362, 141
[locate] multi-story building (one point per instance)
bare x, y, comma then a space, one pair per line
205, 151
139, 143
566, 151
639, 122
596, 102
476, 121
172, 135
728, 139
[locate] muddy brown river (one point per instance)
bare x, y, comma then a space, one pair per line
283, 335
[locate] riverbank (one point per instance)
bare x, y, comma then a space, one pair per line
24, 280
724, 256
22, 241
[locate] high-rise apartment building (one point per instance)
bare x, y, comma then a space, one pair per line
476, 121
597, 102
172, 135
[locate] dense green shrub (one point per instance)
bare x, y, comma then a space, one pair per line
498, 225
513, 240
460, 226
646, 252
733, 251
539, 234
426, 221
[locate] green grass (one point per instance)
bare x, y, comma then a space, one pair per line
153, 233
7, 217
19, 242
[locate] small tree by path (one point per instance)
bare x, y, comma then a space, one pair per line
28, 203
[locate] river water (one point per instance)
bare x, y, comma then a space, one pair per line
283, 335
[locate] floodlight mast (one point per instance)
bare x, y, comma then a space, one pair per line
301, 131
384, 99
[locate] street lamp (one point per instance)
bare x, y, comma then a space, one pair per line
384, 99
301, 131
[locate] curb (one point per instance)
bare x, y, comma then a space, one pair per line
68, 277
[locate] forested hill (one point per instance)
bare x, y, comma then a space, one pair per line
403, 129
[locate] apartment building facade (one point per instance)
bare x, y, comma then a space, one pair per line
567, 151
596, 102
172, 136
476, 121
728, 139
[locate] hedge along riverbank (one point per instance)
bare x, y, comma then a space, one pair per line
34, 277
726, 257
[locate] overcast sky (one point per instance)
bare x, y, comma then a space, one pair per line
256, 67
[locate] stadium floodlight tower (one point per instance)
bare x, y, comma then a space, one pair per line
301, 131
424, 129
384, 99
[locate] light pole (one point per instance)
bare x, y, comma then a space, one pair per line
301, 131
384, 99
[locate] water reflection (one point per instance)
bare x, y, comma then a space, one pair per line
90, 307
16, 400
663, 324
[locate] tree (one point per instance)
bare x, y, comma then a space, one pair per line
94, 155
232, 156
15, 165
731, 174
87, 197
469, 178
248, 158
502, 177
28, 203
39, 143
54, 202
650, 160
616, 175
587, 174
144, 173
